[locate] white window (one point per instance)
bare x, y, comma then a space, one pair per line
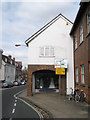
81, 34
88, 22
11, 62
82, 74
52, 51
47, 51
77, 80
5, 59
75, 41
42, 51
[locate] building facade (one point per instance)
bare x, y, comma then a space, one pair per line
8, 68
25, 74
1, 66
1, 51
81, 37
51, 43
18, 72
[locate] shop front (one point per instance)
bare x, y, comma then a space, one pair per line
45, 80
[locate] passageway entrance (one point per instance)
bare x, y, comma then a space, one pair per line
46, 80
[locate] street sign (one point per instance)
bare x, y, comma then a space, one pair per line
60, 71
60, 63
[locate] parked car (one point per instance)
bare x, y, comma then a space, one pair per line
23, 82
7, 84
4, 84
15, 83
10, 83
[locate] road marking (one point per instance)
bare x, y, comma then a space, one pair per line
15, 96
40, 115
13, 111
10, 119
14, 104
15, 100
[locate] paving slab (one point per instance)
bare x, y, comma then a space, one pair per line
59, 106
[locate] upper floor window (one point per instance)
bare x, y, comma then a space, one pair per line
77, 79
47, 51
5, 59
75, 38
42, 51
11, 62
81, 34
88, 22
82, 74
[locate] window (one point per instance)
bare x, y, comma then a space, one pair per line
77, 80
82, 74
81, 34
52, 51
11, 62
75, 38
47, 51
42, 51
88, 22
5, 59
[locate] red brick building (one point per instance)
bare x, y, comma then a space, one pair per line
81, 37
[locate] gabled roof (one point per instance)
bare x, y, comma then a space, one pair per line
45, 27
83, 6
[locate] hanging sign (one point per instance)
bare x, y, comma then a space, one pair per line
60, 63
60, 71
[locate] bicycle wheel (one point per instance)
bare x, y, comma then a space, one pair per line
77, 98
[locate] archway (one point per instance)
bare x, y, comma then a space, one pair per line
45, 80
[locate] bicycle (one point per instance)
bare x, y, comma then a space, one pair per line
79, 97
71, 95
82, 96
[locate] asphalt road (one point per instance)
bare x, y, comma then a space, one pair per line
14, 108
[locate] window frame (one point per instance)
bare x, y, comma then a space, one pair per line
82, 74
75, 42
49, 51
88, 22
81, 34
77, 74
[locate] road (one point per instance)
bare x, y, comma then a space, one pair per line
15, 108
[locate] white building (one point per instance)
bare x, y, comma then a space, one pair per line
50, 43
7, 71
1, 66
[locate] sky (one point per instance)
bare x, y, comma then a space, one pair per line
22, 19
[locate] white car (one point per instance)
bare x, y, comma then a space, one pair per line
4, 85
23, 82
15, 83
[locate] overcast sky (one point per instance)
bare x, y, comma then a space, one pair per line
22, 19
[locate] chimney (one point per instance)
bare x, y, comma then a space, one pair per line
9, 58
13, 61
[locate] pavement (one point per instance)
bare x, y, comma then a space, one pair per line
57, 106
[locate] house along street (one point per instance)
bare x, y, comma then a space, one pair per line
12, 107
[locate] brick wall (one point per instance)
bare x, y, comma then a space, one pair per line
82, 54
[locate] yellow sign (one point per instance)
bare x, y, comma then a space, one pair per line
60, 71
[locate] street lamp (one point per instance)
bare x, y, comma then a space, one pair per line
18, 45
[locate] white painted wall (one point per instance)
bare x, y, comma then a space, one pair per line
2, 71
9, 72
57, 35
